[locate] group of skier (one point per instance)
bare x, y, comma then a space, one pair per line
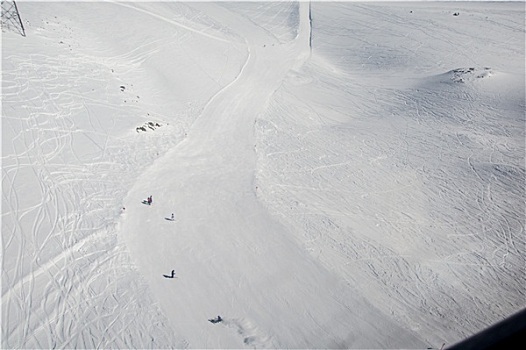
149, 201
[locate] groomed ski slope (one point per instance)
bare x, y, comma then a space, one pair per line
232, 257
341, 174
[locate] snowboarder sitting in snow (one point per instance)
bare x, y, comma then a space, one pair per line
216, 320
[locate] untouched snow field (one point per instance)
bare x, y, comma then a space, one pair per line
342, 175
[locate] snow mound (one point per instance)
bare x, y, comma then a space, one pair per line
148, 126
464, 75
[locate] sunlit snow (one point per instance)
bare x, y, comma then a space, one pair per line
340, 174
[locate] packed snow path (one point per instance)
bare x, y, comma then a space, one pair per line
231, 257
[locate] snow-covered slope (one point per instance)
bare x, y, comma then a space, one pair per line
78, 92
341, 174
398, 159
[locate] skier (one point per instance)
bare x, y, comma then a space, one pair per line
216, 320
170, 276
173, 217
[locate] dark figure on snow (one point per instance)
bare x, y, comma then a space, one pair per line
170, 276
216, 320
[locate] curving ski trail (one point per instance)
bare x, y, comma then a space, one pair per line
233, 258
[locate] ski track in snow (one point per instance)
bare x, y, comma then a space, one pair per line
67, 281
46, 293
346, 210
163, 18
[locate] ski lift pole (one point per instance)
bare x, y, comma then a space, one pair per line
19, 19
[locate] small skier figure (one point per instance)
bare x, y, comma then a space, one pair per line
170, 276
150, 200
173, 217
216, 320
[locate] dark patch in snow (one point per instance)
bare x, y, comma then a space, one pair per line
461, 75
465, 75
148, 126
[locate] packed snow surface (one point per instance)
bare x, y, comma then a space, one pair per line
340, 174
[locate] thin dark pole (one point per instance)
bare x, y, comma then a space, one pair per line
19, 19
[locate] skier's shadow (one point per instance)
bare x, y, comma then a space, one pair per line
145, 202
169, 219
